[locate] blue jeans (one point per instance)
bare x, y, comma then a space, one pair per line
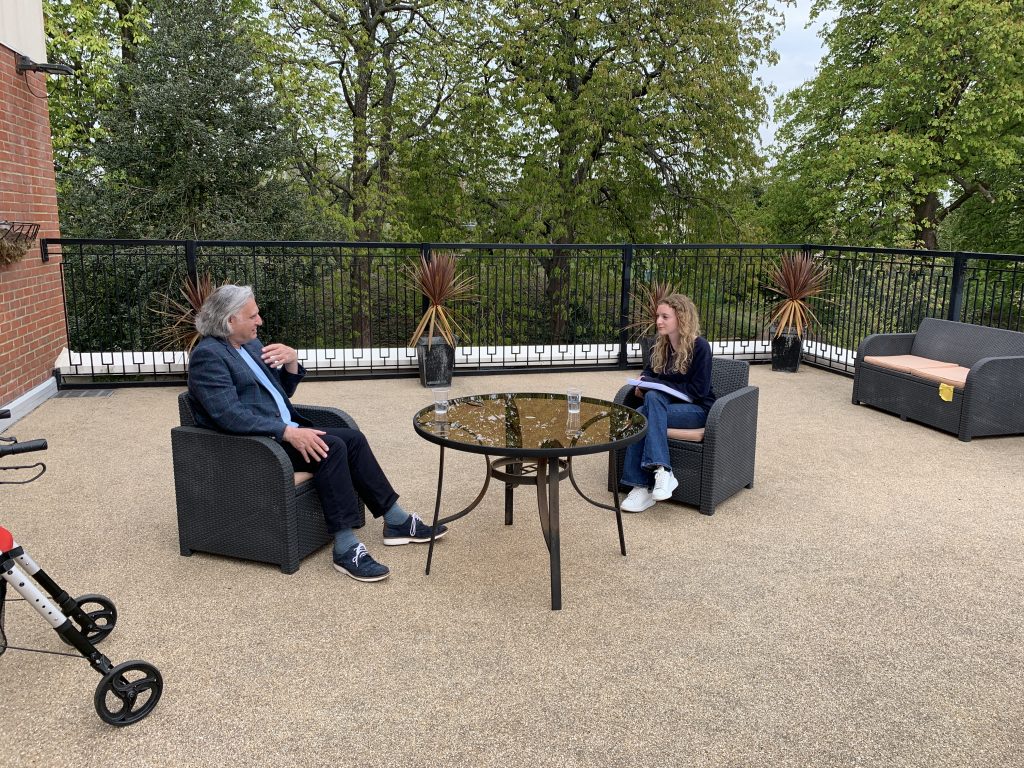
662, 412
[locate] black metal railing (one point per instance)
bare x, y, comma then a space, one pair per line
350, 311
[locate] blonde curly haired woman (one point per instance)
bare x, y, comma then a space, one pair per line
681, 359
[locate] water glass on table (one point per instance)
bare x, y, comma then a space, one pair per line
573, 395
441, 403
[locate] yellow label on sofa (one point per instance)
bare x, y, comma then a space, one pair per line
946, 392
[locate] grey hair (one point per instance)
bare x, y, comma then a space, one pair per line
221, 306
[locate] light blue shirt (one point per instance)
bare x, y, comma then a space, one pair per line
261, 377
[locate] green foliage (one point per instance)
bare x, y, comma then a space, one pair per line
364, 82
189, 143
916, 108
989, 227
92, 36
619, 119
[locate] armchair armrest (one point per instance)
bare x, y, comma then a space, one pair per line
219, 460
878, 344
324, 416
993, 398
627, 396
235, 495
885, 344
730, 445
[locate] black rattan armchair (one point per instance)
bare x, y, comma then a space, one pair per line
712, 470
237, 495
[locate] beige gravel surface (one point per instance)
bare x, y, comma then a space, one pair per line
860, 606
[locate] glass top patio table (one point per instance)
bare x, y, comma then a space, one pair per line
531, 424
535, 438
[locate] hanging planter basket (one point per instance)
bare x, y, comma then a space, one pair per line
16, 237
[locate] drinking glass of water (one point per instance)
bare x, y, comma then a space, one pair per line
572, 397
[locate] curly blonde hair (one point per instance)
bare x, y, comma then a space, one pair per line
689, 330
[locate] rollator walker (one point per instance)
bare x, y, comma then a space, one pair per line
127, 692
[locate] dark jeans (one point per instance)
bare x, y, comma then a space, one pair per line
349, 471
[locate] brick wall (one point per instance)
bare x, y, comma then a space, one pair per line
32, 328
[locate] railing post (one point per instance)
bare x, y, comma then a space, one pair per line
627, 271
956, 288
425, 252
190, 262
44, 249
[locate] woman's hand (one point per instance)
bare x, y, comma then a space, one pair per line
638, 391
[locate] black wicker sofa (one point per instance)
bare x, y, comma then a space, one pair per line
960, 378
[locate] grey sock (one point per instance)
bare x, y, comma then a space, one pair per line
396, 515
344, 540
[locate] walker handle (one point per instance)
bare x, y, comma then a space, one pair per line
27, 447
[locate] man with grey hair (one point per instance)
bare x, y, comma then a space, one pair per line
243, 388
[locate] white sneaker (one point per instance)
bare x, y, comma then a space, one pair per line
664, 483
638, 500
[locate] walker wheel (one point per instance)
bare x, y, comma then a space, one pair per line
101, 614
128, 692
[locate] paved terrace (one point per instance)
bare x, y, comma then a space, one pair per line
862, 605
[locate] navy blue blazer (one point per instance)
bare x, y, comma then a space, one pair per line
231, 397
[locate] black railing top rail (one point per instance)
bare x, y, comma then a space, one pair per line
537, 246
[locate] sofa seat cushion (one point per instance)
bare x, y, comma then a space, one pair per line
687, 435
913, 364
955, 376
301, 477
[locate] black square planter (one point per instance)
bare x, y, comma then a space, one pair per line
786, 352
436, 362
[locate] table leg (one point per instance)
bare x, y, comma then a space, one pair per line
512, 469
618, 521
616, 508
547, 503
437, 508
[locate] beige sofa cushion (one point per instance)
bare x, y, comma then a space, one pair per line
955, 376
689, 435
301, 477
907, 363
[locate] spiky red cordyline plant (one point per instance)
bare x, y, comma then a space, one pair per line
797, 278
182, 333
438, 280
646, 299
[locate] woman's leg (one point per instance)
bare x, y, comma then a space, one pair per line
664, 412
632, 473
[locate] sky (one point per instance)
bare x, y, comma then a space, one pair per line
799, 50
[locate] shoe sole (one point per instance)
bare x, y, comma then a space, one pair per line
667, 493
366, 579
645, 506
399, 541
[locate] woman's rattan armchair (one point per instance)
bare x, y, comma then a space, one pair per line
714, 468
238, 495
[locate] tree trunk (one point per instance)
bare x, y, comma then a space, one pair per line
926, 212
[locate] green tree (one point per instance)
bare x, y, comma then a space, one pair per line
365, 78
622, 114
620, 120
192, 145
916, 109
93, 36
989, 227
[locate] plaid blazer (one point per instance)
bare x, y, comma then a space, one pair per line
231, 397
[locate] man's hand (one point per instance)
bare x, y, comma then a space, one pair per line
307, 442
281, 356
